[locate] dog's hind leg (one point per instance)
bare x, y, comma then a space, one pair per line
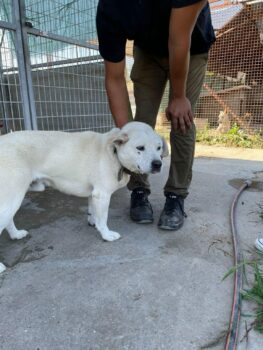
2, 266
100, 205
11, 197
10, 202
6, 222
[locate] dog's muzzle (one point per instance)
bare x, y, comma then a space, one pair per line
156, 166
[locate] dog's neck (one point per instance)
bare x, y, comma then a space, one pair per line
122, 169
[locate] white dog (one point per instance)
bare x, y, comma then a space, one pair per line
84, 164
223, 122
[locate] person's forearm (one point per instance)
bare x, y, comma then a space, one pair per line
178, 65
182, 21
118, 100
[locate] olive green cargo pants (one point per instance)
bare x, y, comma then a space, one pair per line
150, 75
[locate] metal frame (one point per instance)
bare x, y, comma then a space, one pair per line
24, 66
21, 30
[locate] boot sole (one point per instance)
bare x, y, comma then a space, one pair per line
144, 221
170, 228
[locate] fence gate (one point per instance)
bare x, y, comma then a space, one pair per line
51, 74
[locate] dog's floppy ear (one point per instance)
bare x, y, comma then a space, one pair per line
120, 138
165, 148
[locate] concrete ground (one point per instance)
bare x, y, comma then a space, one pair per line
67, 289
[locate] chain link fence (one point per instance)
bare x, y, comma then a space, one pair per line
232, 94
51, 74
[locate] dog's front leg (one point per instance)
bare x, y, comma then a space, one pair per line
90, 218
2, 268
14, 233
100, 206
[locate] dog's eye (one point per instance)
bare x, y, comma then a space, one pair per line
140, 148
158, 148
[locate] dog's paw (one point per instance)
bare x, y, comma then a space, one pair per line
19, 234
111, 236
2, 268
91, 220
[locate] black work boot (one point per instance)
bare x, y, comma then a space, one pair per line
172, 216
141, 209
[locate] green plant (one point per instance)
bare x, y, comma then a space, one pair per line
235, 130
255, 294
235, 137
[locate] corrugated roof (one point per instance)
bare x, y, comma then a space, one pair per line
221, 16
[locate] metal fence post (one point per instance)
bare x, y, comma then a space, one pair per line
3, 95
21, 46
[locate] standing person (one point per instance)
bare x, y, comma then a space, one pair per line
171, 42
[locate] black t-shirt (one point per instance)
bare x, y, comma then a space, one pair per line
147, 23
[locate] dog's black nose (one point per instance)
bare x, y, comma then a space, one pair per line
156, 165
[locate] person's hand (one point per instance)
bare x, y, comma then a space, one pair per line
179, 112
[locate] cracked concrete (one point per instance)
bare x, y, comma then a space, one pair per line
67, 289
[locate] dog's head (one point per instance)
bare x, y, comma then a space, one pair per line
140, 149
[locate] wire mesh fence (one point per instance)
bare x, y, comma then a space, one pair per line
52, 76
232, 93
63, 69
233, 87
68, 87
10, 96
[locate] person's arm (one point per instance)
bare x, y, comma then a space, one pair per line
182, 22
117, 92
112, 42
